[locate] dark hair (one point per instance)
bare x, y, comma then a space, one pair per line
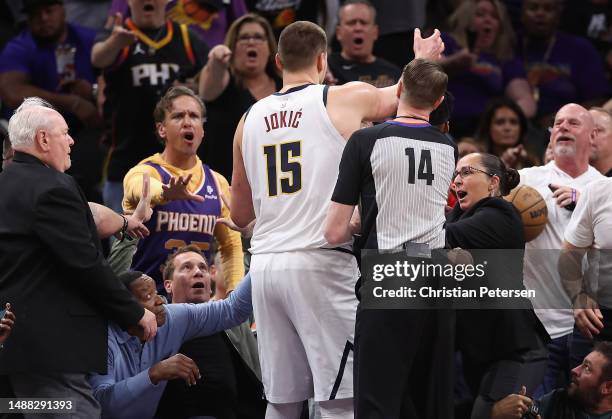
424, 82
30, 7
442, 114
128, 277
164, 105
299, 44
509, 178
605, 348
352, 2
231, 38
168, 267
483, 133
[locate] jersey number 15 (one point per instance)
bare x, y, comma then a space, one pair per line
290, 169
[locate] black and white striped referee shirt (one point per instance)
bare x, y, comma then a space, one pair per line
401, 174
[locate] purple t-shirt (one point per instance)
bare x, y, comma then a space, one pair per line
573, 72
210, 27
38, 61
487, 79
178, 223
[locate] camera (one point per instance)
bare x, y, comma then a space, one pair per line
531, 413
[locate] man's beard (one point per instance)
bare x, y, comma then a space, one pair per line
564, 150
586, 398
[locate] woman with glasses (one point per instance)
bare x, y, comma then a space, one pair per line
237, 75
502, 349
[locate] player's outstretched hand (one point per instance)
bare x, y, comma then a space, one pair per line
176, 189
430, 48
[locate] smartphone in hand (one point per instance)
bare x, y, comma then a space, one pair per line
569, 207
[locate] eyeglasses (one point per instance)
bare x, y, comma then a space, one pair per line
469, 170
256, 38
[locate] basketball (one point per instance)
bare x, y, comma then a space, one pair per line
532, 207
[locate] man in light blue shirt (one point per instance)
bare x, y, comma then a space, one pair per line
138, 372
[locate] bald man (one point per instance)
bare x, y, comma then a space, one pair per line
568, 173
601, 146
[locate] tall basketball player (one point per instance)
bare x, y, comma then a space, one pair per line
287, 149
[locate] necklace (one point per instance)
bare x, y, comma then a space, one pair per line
420, 118
153, 44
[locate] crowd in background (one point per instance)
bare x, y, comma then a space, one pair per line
104, 65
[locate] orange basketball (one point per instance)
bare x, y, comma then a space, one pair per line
532, 208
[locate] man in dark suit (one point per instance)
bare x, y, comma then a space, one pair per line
52, 269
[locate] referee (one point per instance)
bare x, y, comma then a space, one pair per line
404, 167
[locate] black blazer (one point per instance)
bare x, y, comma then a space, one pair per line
493, 223
53, 273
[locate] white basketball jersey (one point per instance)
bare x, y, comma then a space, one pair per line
291, 153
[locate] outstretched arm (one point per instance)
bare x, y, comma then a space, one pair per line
352, 103
208, 318
109, 223
215, 75
177, 188
385, 100
104, 53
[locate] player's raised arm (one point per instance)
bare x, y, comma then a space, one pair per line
357, 101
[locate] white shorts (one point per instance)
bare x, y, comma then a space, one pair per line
304, 304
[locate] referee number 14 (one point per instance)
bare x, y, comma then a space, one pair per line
425, 171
